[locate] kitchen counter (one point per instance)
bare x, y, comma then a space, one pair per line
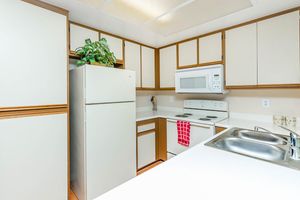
203, 172
227, 123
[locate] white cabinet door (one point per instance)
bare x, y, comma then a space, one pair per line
187, 53
79, 34
167, 66
146, 149
133, 60
33, 64
278, 50
110, 146
115, 45
148, 67
210, 48
241, 56
33, 155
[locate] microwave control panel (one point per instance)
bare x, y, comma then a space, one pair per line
216, 82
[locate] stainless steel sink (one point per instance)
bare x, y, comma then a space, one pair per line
250, 148
260, 137
269, 147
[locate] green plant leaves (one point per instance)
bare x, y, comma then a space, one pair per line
93, 52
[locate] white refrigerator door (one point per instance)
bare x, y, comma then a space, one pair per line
106, 85
33, 157
110, 146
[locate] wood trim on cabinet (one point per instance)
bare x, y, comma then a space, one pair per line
149, 166
48, 6
235, 26
198, 51
40, 107
144, 122
219, 129
162, 139
271, 86
157, 69
150, 131
113, 35
31, 113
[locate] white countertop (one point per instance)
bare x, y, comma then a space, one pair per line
206, 173
227, 123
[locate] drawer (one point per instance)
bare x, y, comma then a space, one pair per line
146, 127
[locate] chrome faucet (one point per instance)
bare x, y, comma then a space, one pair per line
294, 144
257, 128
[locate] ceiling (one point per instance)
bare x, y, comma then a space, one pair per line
159, 22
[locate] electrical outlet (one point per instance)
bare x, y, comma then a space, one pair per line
291, 121
279, 120
266, 103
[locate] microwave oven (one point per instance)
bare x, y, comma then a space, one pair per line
200, 80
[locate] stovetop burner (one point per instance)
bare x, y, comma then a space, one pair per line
188, 114
184, 116
211, 117
205, 119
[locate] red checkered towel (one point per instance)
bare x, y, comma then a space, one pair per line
183, 131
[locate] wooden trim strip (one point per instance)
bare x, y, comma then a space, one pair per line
146, 132
30, 113
40, 107
48, 6
274, 86
157, 69
113, 35
149, 166
144, 122
235, 26
167, 88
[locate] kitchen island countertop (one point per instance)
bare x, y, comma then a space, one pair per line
203, 172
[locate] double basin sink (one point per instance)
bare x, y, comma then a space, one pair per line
265, 146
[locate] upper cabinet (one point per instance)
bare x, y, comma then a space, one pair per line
241, 56
79, 34
40, 76
188, 53
148, 67
278, 50
115, 45
210, 49
133, 60
167, 66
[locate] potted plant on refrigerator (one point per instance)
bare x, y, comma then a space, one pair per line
95, 53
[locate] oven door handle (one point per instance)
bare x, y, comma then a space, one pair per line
192, 124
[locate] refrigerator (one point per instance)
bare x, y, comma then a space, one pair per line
103, 129
33, 102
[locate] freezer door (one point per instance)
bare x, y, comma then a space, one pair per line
33, 157
106, 85
110, 146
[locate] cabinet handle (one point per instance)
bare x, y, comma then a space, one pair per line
192, 124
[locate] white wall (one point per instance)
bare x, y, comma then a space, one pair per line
283, 101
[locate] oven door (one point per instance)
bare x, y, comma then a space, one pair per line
199, 133
192, 82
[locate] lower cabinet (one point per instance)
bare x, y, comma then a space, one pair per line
146, 149
33, 157
151, 142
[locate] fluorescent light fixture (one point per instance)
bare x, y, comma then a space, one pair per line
146, 6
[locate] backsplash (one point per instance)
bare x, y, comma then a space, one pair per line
279, 101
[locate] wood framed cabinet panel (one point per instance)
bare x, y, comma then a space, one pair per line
79, 34
38, 76
188, 54
241, 56
146, 149
278, 50
167, 67
133, 60
210, 49
115, 45
148, 67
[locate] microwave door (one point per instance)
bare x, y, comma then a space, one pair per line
193, 84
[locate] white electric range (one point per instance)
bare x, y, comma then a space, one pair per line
202, 114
